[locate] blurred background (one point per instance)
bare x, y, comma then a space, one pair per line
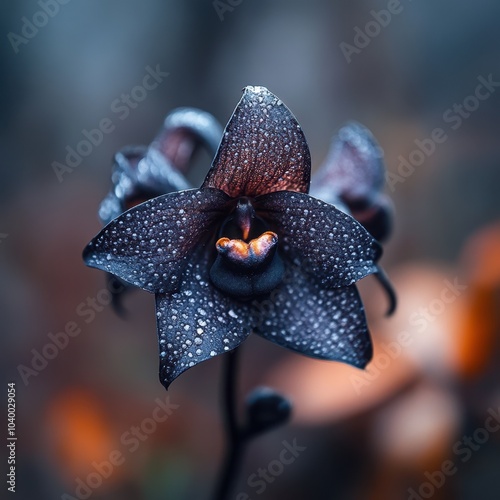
424, 420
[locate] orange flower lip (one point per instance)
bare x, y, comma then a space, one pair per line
247, 269
252, 253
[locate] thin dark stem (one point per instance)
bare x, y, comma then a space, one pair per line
236, 439
389, 290
230, 384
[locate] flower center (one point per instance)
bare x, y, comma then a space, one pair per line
246, 269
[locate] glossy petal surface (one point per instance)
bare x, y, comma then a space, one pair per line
263, 149
318, 322
149, 245
198, 322
329, 244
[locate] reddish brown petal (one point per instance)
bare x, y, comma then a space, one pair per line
149, 244
183, 132
263, 149
329, 244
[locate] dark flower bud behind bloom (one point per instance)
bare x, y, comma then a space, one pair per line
140, 173
265, 410
353, 175
250, 232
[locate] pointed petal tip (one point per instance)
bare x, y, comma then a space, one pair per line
368, 356
91, 258
364, 358
361, 360
87, 254
164, 382
262, 95
256, 89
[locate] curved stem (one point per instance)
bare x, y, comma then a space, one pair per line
235, 436
389, 290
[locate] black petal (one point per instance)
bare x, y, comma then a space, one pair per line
321, 323
263, 149
198, 322
328, 243
354, 169
149, 244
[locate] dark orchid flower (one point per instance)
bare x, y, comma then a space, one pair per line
352, 178
250, 237
140, 173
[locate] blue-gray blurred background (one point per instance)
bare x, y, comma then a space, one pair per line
387, 439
